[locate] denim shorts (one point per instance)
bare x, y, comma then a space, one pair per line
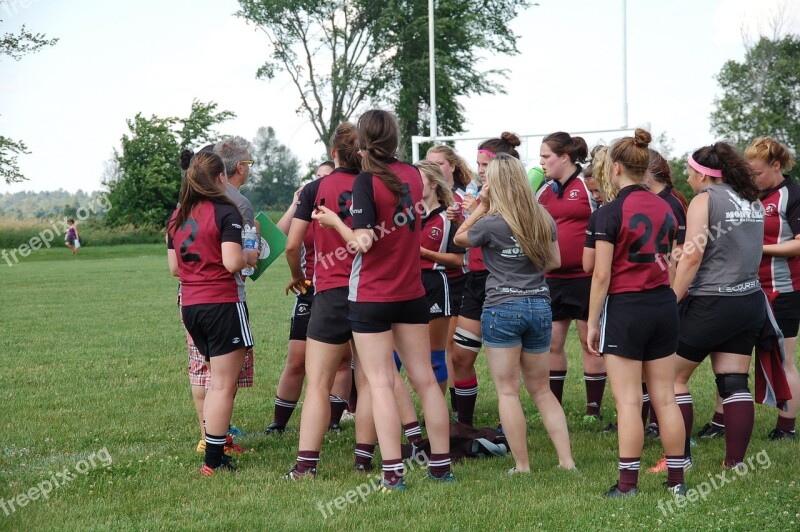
527, 321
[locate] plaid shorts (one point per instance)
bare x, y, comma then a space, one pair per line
199, 374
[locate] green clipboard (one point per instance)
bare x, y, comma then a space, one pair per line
276, 240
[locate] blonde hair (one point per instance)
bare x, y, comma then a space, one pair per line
769, 150
511, 198
434, 174
600, 172
462, 174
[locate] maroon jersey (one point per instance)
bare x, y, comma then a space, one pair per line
198, 246
475, 256
781, 224
437, 235
332, 259
307, 261
570, 205
679, 211
642, 227
390, 271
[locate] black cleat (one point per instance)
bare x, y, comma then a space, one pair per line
616, 493
710, 431
362, 468
652, 431
334, 427
274, 428
678, 490
611, 428
778, 434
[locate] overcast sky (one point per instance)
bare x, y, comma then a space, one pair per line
69, 103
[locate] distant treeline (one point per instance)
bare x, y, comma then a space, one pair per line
48, 204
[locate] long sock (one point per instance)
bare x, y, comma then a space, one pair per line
675, 467
557, 379
338, 406
628, 473
786, 424
215, 446
467, 395
364, 453
307, 460
392, 470
645, 404
718, 419
283, 410
413, 432
684, 401
453, 400
739, 417
595, 385
439, 465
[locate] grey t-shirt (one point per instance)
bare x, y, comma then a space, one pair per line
511, 273
244, 205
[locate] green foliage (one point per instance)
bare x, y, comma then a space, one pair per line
144, 187
677, 167
45, 204
275, 173
761, 95
94, 232
15, 46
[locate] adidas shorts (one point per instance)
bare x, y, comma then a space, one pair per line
474, 295
437, 290
301, 314
379, 317
328, 323
456, 285
218, 328
570, 298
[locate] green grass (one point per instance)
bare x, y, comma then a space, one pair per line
93, 357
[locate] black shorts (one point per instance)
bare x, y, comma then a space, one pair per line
456, 285
328, 323
640, 325
379, 317
218, 328
474, 295
786, 308
570, 298
720, 324
301, 314
437, 291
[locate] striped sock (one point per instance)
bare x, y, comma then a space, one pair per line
718, 419
413, 432
307, 460
739, 417
283, 410
364, 453
675, 468
467, 395
215, 446
338, 406
684, 401
595, 386
439, 465
786, 424
557, 379
393, 470
628, 473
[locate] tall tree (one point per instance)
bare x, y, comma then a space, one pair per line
15, 46
761, 95
344, 54
144, 181
275, 173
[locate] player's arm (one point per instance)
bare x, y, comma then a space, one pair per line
294, 251
284, 224
555, 258
451, 260
694, 247
462, 236
232, 257
601, 279
790, 248
229, 221
172, 257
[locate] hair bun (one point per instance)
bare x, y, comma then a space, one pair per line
642, 138
510, 138
186, 158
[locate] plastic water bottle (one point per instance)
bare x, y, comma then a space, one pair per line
472, 190
249, 242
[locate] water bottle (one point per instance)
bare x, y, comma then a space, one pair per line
472, 190
249, 243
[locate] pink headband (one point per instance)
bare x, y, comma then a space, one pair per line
487, 152
710, 172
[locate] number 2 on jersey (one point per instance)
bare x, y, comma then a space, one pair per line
185, 255
662, 242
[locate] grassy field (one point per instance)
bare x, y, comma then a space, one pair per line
94, 372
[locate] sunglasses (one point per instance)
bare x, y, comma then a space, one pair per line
247, 161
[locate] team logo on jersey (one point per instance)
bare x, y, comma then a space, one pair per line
771, 209
436, 233
302, 309
573, 194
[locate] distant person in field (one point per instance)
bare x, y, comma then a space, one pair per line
72, 236
519, 243
205, 251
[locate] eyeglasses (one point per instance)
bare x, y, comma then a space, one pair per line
247, 161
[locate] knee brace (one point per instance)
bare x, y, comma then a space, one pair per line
439, 365
731, 383
467, 340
